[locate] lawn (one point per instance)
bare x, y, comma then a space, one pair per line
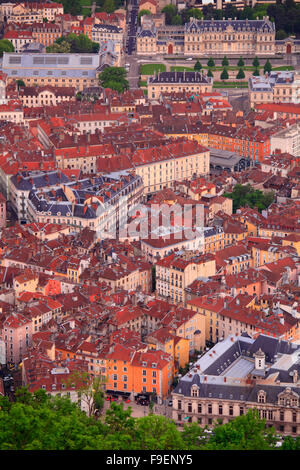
142, 83
149, 69
179, 68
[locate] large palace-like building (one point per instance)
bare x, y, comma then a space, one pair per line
211, 37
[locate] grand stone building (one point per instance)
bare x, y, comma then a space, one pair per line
240, 373
211, 37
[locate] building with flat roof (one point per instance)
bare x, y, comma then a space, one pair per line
225, 160
275, 87
75, 70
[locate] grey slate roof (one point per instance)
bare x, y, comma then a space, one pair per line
212, 382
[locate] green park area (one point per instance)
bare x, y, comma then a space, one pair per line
150, 69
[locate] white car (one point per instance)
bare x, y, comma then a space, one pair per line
190, 58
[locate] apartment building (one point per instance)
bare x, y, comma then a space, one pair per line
46, 33
16, 332
19, 39
30, 12
287, 140
99, 203
48, 95
163, 82
275, 87
175, 272
133, 372
259, 373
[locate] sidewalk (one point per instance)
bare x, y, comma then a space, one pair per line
138, 411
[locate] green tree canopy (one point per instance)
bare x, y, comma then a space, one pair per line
6, 46
246, 432
210, 62
256, 72
109, 6
225, 62
170, 11
267, 67
197, 66
114, 78
255, 62
243, 195
142, 13
224, 75
241, 62
37, 421
72, 6
77, 44
240, 74
210, 74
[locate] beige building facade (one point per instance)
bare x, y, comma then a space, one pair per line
210, 37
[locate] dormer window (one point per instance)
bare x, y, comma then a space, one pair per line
261, 397
195, 391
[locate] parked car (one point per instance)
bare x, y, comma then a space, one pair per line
190, 58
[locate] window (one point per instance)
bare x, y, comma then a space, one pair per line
209, 409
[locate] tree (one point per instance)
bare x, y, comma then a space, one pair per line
6, 46
197, 66
240, 74
255, 62
72, 6
267, 67
256, 72
114, 78
77, 44
90, 390
109, 6
20, 83
155, 432
281, 34
210, 62
170, 11
194, 436
142, 13
224, 74
63, 47
246, 432
225, 62
210, 74
176, 20
191, 13
243, 195
241, 62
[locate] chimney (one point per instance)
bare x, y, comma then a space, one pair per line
295, 376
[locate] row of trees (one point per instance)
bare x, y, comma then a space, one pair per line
40, 422
285, 14
74, 43
225, 63
75, 7
247, 196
